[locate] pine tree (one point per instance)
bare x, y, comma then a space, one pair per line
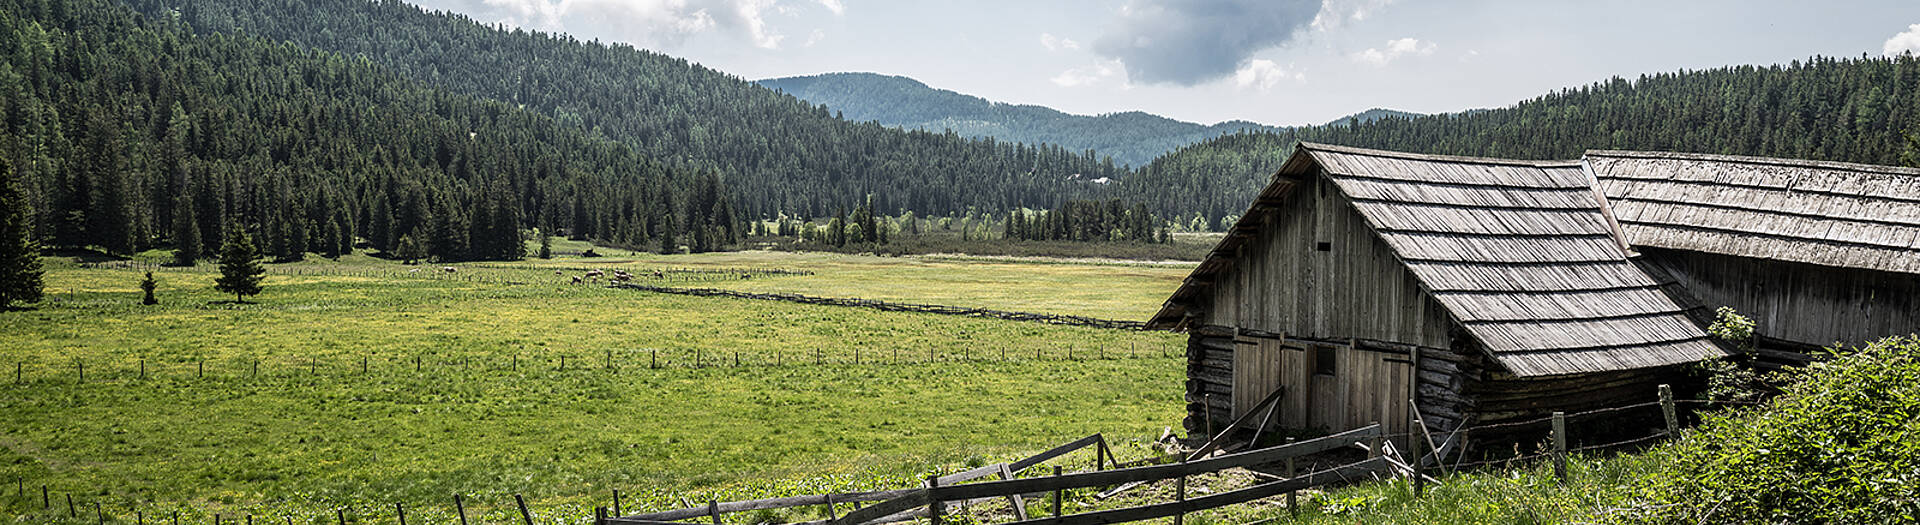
186, 232
147, 286
409, 250
546, 244
240, 271
21, 279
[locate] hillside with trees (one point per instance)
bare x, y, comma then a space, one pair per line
1132, 138
1856, 110
775, 152
129, 133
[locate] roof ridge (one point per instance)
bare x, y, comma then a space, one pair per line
1431, 157
1751, 159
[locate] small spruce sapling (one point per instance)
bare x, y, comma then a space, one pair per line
146, 286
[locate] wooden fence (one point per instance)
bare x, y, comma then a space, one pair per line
1073, 320
939, 492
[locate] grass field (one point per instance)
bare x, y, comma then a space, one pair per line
1113, 290
464, 390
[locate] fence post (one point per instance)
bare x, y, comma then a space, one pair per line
80, 368
1206, 409
713, 509
1560, 446
200, 369
363, 365
1058, 494
460, 507
933, 505
143, 369
599, 516
342, 515
1180, 492
655, 363
1666, 409
616, 502
1293, 503
397, 511
71, 513
524, 515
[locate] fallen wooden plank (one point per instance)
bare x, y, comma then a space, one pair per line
1156, 472
1162, 510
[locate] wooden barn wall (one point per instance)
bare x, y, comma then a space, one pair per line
1227, 374
1282, 283
1802, 303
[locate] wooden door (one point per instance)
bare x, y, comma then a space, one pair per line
1257, 371
1326, 400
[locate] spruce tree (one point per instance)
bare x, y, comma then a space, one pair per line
240, 271
409, 250
186, 232
147, 286
21, 277
546, 244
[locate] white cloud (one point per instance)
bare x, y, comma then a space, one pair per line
1906, 42
1096, 73
815, 38
647, 23
835, 6
1395, 48
1262, 74
1335, 13
1056, 43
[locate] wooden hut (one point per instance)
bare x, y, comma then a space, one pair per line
1363, 282
1816, 253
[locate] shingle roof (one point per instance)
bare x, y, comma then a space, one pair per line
1520, 254
1825, 213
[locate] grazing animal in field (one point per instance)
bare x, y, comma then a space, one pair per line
449, 269
594, 273
576, 279
556, 272
415, 270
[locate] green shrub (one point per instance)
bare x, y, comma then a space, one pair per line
1841, 444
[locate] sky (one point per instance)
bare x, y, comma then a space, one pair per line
1276, 62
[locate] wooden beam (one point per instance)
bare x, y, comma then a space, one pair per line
1256, 492
1156, 472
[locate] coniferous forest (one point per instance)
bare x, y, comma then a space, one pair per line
326, 126
1863, 109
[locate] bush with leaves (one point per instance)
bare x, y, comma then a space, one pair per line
1841, 444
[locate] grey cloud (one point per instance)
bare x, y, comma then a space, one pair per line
1188, 42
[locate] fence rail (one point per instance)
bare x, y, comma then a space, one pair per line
1073, 320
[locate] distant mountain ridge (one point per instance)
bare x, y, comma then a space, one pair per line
1132, 137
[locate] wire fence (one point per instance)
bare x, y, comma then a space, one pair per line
120, 370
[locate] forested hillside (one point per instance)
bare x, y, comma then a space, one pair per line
1132, 138
1856, 110
131, 132
777, 153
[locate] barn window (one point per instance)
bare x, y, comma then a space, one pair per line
1323, 360
1323, 246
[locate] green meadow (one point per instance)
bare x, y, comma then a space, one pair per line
360, 383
